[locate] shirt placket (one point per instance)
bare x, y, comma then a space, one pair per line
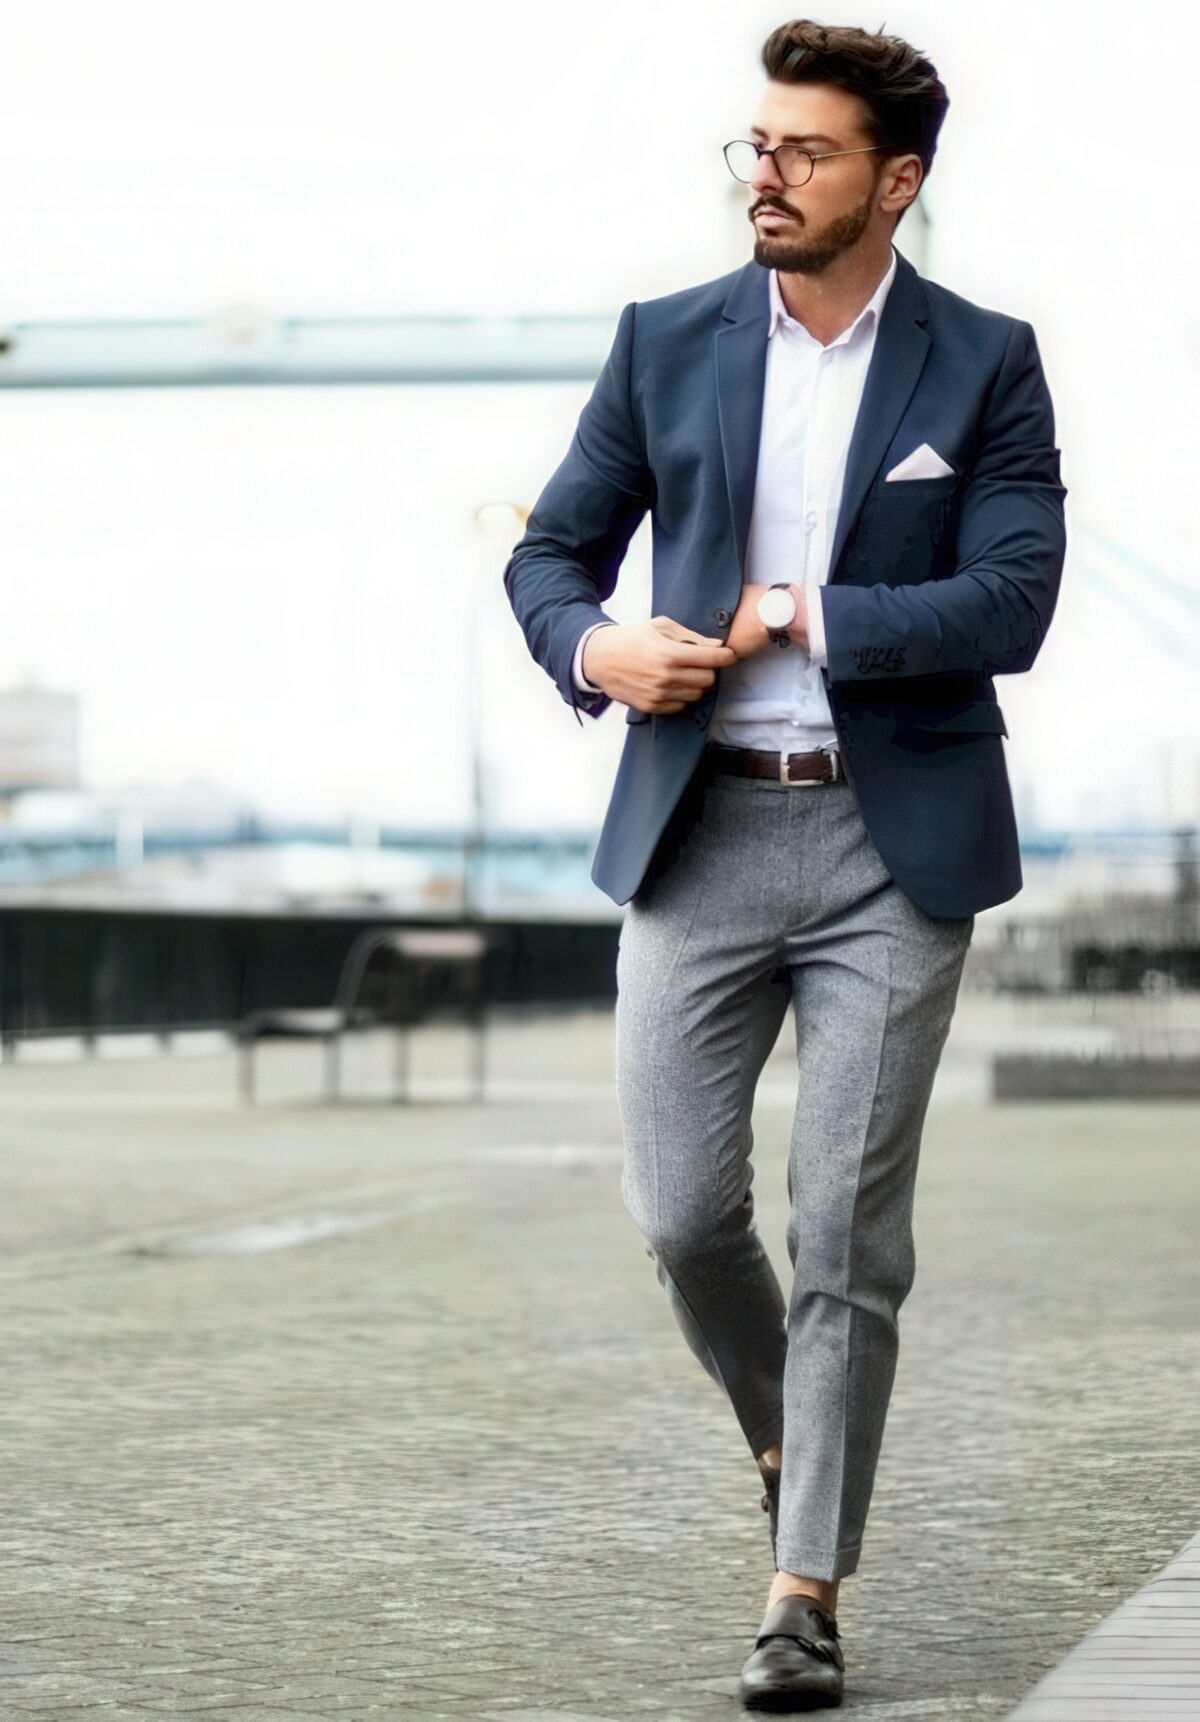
818, 445
809, 364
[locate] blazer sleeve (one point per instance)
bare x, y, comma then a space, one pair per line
990, 615
579, 529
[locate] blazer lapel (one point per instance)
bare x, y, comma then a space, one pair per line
901, 347
740, 345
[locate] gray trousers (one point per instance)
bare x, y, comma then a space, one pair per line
776, 895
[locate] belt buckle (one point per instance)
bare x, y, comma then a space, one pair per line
808, 782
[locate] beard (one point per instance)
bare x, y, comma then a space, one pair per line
794, 255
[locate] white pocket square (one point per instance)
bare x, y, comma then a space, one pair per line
923, 462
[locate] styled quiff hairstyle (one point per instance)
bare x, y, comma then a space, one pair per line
906, 99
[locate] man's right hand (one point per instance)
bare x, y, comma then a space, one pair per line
658, 666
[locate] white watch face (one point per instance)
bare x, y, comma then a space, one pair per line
776, 608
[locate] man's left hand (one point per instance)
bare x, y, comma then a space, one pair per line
748, 635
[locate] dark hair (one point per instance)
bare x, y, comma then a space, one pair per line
906, 99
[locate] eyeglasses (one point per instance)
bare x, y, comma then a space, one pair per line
793, 164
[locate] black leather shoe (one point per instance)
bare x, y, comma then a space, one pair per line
796, 1663
770, 1503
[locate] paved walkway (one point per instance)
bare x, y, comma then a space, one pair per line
380, 1412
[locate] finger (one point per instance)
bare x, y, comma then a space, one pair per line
703, 651
676, 631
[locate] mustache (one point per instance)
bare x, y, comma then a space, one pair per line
779, 208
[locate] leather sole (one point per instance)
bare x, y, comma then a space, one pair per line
778, 1701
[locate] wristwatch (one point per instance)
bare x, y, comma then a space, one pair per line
776, 609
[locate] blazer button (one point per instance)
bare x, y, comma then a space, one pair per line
721, 616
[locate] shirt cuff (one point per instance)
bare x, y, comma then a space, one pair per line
816, 626
577, 676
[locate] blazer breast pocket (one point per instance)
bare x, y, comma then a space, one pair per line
901, 528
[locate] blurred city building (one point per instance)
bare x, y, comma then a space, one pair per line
39, 740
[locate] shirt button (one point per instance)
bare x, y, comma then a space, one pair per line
810, 520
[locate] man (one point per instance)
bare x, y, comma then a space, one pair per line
876, 455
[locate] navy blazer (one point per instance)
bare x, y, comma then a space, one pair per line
935, 584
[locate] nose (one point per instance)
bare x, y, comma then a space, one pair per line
766, 176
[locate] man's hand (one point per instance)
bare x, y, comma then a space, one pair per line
748, 635
658, 666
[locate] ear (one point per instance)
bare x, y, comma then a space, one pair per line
904, 174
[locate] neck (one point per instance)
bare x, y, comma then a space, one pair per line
828, 302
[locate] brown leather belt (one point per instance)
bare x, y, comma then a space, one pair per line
820, 766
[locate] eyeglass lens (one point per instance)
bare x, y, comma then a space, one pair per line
793, 164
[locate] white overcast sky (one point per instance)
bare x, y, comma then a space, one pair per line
266, 589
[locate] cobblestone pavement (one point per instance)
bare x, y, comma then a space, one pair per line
380, 1411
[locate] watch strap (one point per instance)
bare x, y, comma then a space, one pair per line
779, 636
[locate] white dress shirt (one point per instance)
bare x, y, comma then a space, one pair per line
776, 699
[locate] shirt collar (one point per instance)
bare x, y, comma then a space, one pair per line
873, 309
